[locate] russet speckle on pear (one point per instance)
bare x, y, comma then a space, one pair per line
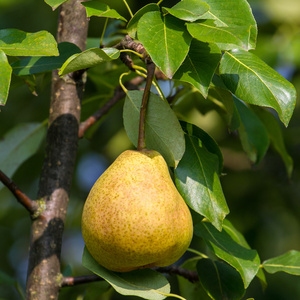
134, 217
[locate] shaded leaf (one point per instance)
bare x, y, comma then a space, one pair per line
163, 132
197, 180
55, 3
253, 134
88, 59
220, 280
288, 262
132, 24
188, 10
199, 65
230, 246
147, 284
253, 81
99, 9
19, 43
33, 65
18, 145
169, 43
5, 77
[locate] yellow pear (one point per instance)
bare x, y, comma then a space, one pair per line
134, 217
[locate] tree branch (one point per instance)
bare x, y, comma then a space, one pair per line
30, 205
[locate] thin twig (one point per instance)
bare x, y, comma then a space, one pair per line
150, 74
23, 199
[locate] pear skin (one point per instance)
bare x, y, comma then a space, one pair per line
134, 217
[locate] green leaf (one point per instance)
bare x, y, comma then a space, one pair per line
253, 134
230, 246
220, 280
98, 9
19, 43
197, 180
188, 10
162, 130
6, 279
33, 65
209, 143
254, 82
132, 24
18, 145
166, 40
276, 136
88, 59
199, 66
226, 38
147, 284
5, 77
234, 14
288, 262
55, 3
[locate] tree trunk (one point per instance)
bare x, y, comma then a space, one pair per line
44, 277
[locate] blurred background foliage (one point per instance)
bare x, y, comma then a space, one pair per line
264, 202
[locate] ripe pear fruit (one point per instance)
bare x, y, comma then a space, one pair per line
134, 217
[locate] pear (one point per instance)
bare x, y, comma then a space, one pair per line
134, 217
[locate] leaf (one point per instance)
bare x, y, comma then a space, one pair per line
276, 136
188, 10
33, 65
166, 40
197, 180
233, 14
253, 134
209, 143
88, 59
162, 130
55, 3
18, 145
19, 43
220, 280
254, 82
230, 246
199, 65
6, 279
98, 9
5, 77
147, 283
132, 24
226, 38
288, 262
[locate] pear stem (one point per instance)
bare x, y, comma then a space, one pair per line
150, 74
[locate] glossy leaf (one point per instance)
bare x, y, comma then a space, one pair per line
253, 134
88, 59
197, 180
5, 77
226, 38
18, 145
209, 143
147, 284
234, 14
188, 10
132, 24
199, 65
288, 262
19, 43
33, 65
220, 280
230, 246
169, 43
163, 132
99, 9
55, 3
254, 82
276, 136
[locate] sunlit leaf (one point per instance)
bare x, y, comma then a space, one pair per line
254, 82
55, 3
5, 77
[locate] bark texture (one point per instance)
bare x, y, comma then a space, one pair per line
44, 277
